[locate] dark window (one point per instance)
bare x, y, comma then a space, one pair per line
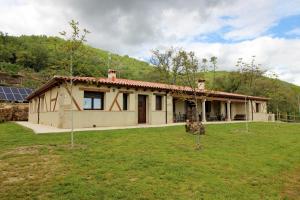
158, 102
125, 101
208, 106
93, 101
257, 107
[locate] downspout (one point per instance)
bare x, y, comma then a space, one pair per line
166, 108
39, 110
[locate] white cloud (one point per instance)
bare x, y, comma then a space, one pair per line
295, 31
134, 27
274, 54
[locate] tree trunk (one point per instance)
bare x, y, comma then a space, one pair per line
198, 123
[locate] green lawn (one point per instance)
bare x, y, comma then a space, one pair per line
153, 163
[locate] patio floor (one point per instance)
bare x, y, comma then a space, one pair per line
39, 128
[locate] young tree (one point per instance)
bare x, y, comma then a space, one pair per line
75, 40
183, 68
213, 61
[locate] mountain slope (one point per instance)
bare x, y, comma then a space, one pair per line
39, 58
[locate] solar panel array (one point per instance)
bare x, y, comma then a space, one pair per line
14, 94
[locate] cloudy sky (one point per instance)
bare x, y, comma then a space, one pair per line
228, 29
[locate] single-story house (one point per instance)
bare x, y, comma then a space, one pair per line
112, 101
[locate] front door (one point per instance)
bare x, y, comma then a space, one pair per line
142, 109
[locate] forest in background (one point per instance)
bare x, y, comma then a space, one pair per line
38, 58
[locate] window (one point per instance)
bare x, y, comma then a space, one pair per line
125, 101
158, 102
257, 105
93, 100
208, 106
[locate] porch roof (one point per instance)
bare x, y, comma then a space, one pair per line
57, 80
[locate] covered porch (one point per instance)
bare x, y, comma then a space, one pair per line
210, 110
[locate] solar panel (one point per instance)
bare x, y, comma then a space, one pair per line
7, 90
24, 96
22, 91
29, 91
10, 97
14, 90
14, 94
2, 96
18, 97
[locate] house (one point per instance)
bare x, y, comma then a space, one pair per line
111, 101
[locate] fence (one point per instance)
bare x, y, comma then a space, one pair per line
294, 118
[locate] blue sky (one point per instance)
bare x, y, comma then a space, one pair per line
287, 27
227, 29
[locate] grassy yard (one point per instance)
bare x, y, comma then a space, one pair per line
154, 163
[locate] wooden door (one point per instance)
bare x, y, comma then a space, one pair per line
142, 109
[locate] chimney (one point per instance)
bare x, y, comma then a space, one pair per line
112, 74
201, 84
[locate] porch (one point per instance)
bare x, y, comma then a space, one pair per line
41, 129
210, 110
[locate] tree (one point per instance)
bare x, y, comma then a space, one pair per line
182, 68
75, 41
213, 61
167, 64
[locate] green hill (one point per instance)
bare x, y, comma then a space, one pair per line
38, 58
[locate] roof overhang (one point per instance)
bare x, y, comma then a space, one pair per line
58, 80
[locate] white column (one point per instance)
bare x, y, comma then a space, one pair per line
249, 111
203, 110
228, 111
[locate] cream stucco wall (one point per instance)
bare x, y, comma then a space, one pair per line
110, 116
48, 110
55, 107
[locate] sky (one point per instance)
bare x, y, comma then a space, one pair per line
227, 29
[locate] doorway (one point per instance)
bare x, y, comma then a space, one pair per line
142, 109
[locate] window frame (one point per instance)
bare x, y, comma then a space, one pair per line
125, 102
257, 107
158, 107
93, 95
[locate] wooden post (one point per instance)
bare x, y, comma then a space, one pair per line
39, 110
166, 102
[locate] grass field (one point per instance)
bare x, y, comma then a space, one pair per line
153, 163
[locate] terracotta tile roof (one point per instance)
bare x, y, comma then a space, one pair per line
137, 84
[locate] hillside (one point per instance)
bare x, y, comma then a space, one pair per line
38, 58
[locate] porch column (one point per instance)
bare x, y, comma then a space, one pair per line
228, 111
249, 111
203, 110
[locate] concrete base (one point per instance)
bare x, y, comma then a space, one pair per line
39, 128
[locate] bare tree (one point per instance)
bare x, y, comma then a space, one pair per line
75, 40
